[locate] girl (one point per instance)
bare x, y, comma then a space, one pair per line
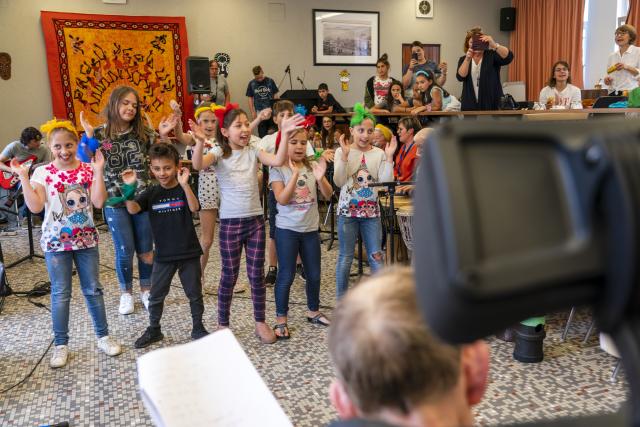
327, 133
393, 102
559, 90
297, 228
434, 98
356, 166
65, 189
125, 141
235, 162
378, 86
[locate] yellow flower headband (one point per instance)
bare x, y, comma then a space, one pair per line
212, 108
54, 123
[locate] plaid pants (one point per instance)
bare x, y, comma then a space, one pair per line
236, 233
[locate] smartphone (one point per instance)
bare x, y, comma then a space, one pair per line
414, 55
477, 44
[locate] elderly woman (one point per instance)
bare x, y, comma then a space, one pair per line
623, 65
479, 71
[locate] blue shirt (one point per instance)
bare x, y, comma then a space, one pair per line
262, 92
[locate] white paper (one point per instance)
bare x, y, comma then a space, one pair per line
208, 382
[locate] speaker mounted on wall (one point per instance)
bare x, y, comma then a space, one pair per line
198, 75
507, 19
424, 8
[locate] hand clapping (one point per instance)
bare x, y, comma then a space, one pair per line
197, 132
97, 162
88, 128
319, 168
183, 176
390, 149
344, 145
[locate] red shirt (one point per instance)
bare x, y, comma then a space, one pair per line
405, 162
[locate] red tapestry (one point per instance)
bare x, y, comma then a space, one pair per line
89, 55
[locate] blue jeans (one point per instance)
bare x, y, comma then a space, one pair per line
348, 228
131, 234
59, 266
288, 244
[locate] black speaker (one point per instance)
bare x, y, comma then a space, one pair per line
507, 19
198, 74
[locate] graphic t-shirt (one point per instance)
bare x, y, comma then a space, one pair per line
301, 213
126, 151
380, 89
68, 222
262, 93
174, 235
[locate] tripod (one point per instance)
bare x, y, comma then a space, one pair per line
32, 253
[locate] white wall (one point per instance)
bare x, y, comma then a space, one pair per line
241, 28
600, 40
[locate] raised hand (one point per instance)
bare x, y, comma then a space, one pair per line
319, 168
265, 114
608, 80
183, 176
88, 128
166, 124
443, 67
175, 107
129, 177
21, 170
97, 162
344, 145
390, 149
292, 123
197, 132
487, 38
328, 155
294, 168
412, 63
470, 52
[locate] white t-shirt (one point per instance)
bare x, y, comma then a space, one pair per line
238, 181
268, 144
623, 79
301, 213
380, 89
570, 97
68, 222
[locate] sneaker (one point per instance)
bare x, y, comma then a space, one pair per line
59, 357
109, 346
126, 303
150, 336
300, 271
198, 332
238, 289
144, 297
270, 279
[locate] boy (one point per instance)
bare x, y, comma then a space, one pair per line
261, 91
326, 103
170, 205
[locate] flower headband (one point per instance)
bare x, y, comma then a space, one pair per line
211, 107
360, 114
222, 112
54, 123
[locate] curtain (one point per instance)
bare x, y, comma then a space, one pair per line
633, 17
546, 31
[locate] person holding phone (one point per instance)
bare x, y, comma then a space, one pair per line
479, 71
419, 62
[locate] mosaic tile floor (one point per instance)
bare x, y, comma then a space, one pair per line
95, 390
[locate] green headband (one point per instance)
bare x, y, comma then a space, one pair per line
360, 114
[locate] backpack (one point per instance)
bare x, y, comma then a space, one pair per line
507, 103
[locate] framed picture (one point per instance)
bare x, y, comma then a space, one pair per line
344, 37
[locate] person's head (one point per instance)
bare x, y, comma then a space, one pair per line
560, 72
282, 109
421, 136
424, 80
408, 127
30, 138
417, 50
123, 112
468, 38
206, 118
382, 66
396, 91
626, 35
62, 138
323, 91
297, 145
361, 126
164, 160
390, 367
258, 74
234, 130
327, 123
381, 136
214, 68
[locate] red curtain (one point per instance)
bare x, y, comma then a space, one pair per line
633, 17
546, 31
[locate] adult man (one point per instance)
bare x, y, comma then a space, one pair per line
420, 62
219, 87
391, 369
28, 146
261, 91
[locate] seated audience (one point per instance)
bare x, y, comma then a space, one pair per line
560, 91
326, 103
434, 98
405, 160
327, 133
419, 62
419, 139
381, 136
378, 86
623, 66
394, 101
390, 369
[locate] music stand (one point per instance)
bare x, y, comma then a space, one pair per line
32, 253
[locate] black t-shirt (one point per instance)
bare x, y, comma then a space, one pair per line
174, 235
324, 104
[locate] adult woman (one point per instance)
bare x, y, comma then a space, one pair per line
405, 159
623, 66
560, 91
479, 71
378, 86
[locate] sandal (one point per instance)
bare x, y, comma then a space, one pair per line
283, 328
318, 320
264, 334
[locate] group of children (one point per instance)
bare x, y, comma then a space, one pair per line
154, 219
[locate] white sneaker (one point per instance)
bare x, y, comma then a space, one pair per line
126, 303
144, 297
109, 346
59, 357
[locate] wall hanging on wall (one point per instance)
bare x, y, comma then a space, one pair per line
342, 37
344, 80
223, 60
424, 8
89, 55
5, 66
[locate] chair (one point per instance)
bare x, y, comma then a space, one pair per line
516, 89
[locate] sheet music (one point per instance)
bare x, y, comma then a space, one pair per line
208, 382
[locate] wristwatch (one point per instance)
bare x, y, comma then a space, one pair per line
497, 46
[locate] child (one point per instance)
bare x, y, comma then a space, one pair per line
393, 102
170, 205
235, 161
434, 98
66, 188
559, 90
326, 103
125, 141
356, 166
327, 132
297, 228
